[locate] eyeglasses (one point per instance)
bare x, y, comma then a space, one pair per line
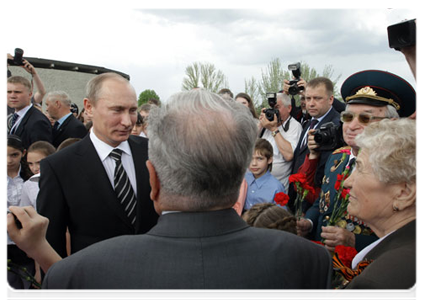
363, 118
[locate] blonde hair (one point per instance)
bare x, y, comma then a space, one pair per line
391, 146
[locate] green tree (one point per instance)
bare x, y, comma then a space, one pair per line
210, 78
147, 95
273, 76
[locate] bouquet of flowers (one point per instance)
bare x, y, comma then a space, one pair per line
303, 188
281, 199
341, 199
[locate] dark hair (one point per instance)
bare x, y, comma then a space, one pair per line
15, 142
322, 80
140, 119
264, 147
42, 146
250, 103
226, 91
272, 216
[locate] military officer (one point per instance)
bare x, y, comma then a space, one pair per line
370, 96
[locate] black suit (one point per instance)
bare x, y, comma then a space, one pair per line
197, 250
301, 152
76, 192
393, 263
34, 127
70, 128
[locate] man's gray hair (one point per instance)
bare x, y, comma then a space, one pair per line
286, 101
61, 96
200, 146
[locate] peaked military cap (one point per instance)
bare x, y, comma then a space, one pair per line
380, 88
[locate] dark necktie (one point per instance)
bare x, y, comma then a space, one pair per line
305, 139
15, 117
351, 164
123, 187
56, 125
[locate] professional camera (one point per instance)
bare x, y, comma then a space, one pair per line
294, 89
271, 112
17, 59
402, 35
329, 137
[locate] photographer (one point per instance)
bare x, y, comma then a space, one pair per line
319, 99
38, 96
283, 136
368, 98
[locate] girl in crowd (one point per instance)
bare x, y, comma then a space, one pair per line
17, 173
36, 152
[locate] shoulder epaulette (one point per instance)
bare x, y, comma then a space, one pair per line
339, 150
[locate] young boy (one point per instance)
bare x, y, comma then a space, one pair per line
262, 186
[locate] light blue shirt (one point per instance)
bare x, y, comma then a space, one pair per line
262, 189
63, 119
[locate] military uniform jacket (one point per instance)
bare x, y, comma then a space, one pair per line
322, 208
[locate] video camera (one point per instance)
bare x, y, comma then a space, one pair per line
271, 112
294, 89
402, 35
329, 137
17, 59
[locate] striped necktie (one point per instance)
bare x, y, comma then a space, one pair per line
123, 187
15, 117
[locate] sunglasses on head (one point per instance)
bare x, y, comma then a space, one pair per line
363, 118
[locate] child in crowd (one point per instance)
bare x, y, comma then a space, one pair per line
36, 152
262, 186
270, 215
17, 173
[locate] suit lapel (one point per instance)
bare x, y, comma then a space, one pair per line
96, 174
25, 119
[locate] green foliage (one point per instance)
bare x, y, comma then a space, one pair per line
147, 95
210, 78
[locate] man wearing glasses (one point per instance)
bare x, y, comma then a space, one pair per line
370, 96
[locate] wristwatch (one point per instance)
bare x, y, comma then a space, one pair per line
274, 133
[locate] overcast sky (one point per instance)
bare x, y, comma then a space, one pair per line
154, 46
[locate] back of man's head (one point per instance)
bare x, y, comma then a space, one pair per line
200, 146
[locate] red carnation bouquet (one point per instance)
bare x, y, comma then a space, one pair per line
281, 199
303, 188
342, 196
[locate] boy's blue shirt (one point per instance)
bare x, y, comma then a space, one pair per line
262, 189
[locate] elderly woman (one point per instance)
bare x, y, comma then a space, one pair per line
383, 195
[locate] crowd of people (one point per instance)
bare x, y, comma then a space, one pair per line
204, 192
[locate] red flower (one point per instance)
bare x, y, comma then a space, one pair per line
299, 177
281, 199
344, 193
346, 254
318, 242
339, 178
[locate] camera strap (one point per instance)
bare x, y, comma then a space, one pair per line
262, 132
286, 127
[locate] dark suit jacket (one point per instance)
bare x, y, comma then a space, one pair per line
301, 152
394, 262
34, 127
71, 128
197, 250
75, 192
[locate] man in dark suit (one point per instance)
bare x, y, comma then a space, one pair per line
199, 242
58, 106
319, 99
78, 190
28, 122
